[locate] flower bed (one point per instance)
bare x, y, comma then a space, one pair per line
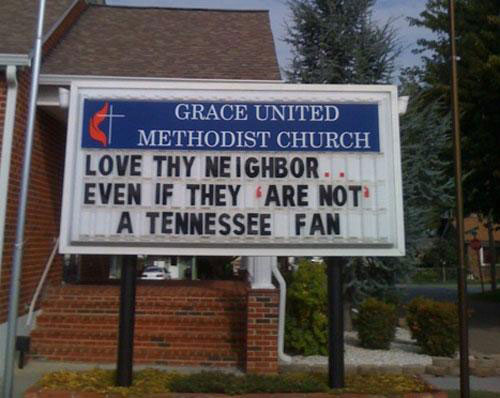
151, 383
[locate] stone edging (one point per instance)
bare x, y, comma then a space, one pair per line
480, 365
35, 392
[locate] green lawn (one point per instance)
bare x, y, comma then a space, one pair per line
474, 394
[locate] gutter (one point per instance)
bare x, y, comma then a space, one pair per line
282, 312
15, 60
66, 80
8, 133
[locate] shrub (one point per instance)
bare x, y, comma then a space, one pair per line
434, 325
307, 314
376, 324
224, 383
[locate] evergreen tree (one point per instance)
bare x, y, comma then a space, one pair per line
478, 48
337, 42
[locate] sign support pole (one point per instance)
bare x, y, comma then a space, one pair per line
125, 360
335, 322
15, 284
459, 214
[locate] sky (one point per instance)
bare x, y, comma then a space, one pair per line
384, 10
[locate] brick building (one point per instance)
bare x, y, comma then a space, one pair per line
216, 323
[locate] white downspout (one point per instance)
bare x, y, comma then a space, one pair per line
282, 312
8, 133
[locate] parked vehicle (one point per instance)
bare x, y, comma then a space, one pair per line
155, 273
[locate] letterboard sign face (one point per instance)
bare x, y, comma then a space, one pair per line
206, 168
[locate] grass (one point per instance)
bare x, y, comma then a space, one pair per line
490, 296
151, 381
474, 394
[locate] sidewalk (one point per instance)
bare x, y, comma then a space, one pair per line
33, 371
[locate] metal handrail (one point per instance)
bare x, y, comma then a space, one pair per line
40, 284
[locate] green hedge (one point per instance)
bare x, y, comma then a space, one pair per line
307, 314
434, 325
376, 324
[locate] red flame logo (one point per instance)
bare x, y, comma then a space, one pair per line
94, 131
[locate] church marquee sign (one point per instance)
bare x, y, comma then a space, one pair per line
206, 168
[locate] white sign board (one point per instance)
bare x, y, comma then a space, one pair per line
205, 168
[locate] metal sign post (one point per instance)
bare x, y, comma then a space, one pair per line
335, 322
21, 212
124, 365
459, 216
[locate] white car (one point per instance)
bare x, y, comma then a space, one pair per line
155, 273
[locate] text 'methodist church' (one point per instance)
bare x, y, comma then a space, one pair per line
197, 318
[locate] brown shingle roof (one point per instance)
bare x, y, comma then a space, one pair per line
159, 42
18, 22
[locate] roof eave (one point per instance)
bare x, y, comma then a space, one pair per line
65, 80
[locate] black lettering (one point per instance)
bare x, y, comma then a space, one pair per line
220, 195
89, 194
125, 223
265, 225
196, 224
299, 222
333, 224
166, 222
316, 225
106, 165
281, 170
192, 189
251, 167
105, 192
210, 223
134, 194
355, 189
181, 223
135, 165
325, 195
225, 166
340, 195
272, 196
119, 195
223, 221
88, 170
188, 162
302, 195
237, 222
159, 159
297, 167
121, 165
252, 224
234, 191
152, 215
288, 194
211, 166
312, 167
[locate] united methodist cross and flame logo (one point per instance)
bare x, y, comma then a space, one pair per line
95, 124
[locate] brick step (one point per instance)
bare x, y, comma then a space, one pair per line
157, 311
173, 338
104, 343
54, 301
74, 352
155, 321
140, 333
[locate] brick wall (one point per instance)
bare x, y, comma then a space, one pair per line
45, 193
262, 331
44, 200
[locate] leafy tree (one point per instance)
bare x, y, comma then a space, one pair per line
336, 41
478, 48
